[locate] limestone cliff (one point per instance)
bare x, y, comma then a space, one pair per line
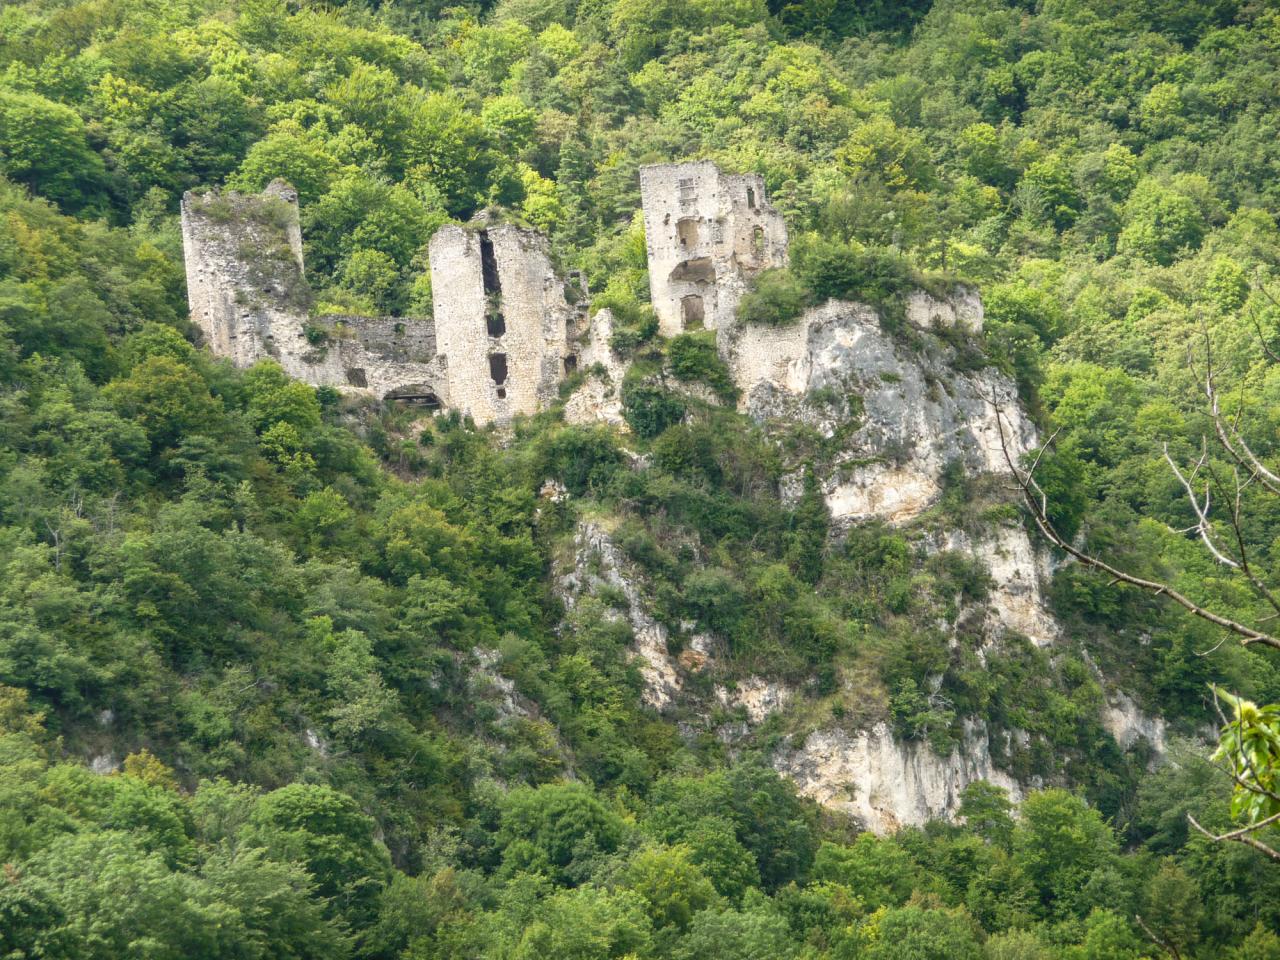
887, 784
904, 415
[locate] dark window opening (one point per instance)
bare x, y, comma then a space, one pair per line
416, 397
687, 231
489, 265
495, 321
692, 311
757, 242
356, 377
498, 368
502, 393
570, 364
751, 198
697, 270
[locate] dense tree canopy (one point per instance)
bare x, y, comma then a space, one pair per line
282, 673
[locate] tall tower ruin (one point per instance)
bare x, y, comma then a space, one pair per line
707, 234
504, 320
245, 283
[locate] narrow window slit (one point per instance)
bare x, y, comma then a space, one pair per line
498, 368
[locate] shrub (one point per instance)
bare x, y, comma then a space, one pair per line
647, 407
847, 271
776, 297
693, 357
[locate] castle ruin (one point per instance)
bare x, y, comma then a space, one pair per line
507, 328
707, 233
498, 345
503, 319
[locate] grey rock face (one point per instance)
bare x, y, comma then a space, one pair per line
904, 416
599, 562
885, 783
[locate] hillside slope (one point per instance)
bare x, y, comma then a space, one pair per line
672, 668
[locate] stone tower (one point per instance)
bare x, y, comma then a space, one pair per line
707, 233
504, 320
245, 282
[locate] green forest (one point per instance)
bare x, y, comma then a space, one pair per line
285, 674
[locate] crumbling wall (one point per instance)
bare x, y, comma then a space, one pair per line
388, 357
961, 308
503, 320
250, 298
245, 284
706, 234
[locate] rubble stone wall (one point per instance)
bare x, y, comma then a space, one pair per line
706, 234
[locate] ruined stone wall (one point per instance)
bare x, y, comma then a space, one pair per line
250, 299
706, 234
503, 321
388, 357
245, 284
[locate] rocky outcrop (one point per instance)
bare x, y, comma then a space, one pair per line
1123, 719
756, 696
961, 308
1016, 602
598, 563
887, 784
904, 414
599, 399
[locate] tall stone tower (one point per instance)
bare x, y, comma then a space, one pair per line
504, 322
707, 233
245, 283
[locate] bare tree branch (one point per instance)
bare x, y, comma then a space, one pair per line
1203, 526
1240, 836
1229, 435
1037, 503
1162, 944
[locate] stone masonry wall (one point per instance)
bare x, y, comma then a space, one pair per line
250, 298
706, 233
245, 282
503, 321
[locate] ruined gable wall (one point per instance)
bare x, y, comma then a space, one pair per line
537, 315
681, 208
499, 304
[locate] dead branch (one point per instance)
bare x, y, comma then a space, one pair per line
1241, 836
1162, 944
1038, 504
